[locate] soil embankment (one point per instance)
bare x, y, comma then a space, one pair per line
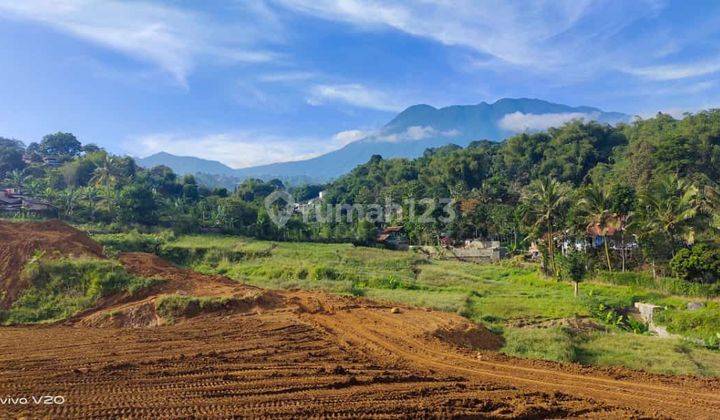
20, 241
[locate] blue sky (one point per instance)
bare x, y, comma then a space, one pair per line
258, 81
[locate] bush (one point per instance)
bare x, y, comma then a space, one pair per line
613, 312
324, 273
573, 266
669, 285
699, 264
703, 323
61, 288
134, 241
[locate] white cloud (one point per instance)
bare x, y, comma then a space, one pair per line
528, 33
676, 71
518, 121
354, 94
346, 137
287, 77
240, 149
414, 133
169, 37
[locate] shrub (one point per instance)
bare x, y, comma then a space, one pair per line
60, 288
703, 323
322, 272
612, 312
573, 265
134, 241
699, 264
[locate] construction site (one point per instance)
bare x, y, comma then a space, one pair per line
235, 350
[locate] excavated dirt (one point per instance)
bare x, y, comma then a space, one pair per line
19, 241
305, 354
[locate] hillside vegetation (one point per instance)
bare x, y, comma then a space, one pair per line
647, 191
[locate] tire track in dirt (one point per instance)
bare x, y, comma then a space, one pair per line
265, 364
300, 354
377, 333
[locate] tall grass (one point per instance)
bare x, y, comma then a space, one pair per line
61, 288
701, 324
668, 285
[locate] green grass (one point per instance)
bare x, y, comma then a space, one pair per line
635, 351
501, 296
60, 288
702, 324
667, 285
648, 353
133, 241
540, 343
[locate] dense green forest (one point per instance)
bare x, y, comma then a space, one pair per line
643, 195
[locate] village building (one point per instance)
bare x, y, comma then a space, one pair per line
13, 201
394, 237
52, 161
478, 250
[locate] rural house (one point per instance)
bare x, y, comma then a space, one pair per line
394, 237
14, 201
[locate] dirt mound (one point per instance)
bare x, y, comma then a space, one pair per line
182, 295
469, 336
142, 314
154, 311
178, 279
19, 241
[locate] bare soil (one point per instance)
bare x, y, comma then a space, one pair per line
302, 354
19, 241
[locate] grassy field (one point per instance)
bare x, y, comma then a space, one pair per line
529, 310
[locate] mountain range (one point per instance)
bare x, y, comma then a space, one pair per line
408, 135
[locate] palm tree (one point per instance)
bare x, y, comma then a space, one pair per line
667, 211
544, 199
595, 204
104, 176
91, 194
711, 204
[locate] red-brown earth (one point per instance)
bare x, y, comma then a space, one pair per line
292, 354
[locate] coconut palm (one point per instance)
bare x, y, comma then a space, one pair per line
596, 205
103, 176
668, 209
544, 199
711, 204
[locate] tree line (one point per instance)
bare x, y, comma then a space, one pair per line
637, 195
